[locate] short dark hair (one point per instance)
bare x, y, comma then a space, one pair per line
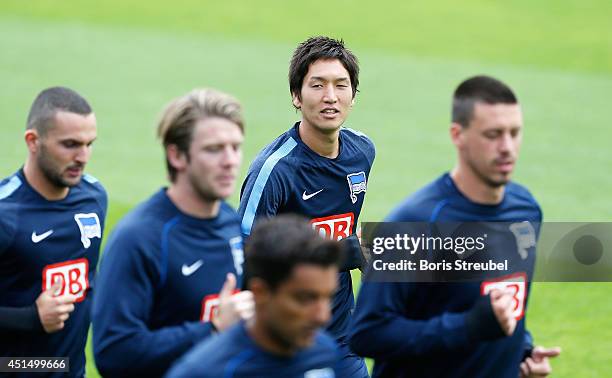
51, 101
277, 245
315, 48
483, 89
181, 115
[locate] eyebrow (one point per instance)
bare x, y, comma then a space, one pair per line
344, 78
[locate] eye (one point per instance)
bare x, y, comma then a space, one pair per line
70, 144
491, 134
215, 148
575, 255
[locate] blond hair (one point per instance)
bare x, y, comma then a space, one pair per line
182, 114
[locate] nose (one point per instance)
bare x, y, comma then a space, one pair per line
506, 143
322, 312
232, 156
330, 96
83, 154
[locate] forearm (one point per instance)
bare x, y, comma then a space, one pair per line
143, 351
20, 319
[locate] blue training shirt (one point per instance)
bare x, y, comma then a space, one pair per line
288, 177
158, 285
43, 240
235, 354
419, 329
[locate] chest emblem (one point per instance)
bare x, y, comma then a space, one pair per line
525, 237
89, 225
357, 184
237, 253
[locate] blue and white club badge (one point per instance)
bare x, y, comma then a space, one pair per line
357, 184
89, 225
525, 236
237, 253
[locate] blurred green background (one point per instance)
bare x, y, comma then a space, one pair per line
130, 57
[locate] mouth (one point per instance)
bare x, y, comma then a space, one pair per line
74, 171
329, 113
227, 179
505, 166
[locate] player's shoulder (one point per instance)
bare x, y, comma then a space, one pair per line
146, 220
324, 342
9, 208
421, 205
356, 136
213, 354
360, 141
277, 160
518, 197
518, 192
9, 188
92, 185
228, 215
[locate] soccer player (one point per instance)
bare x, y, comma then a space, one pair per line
318, 168
451, 329
50, 231
293, 275
172, 264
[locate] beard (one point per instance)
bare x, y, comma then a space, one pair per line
279, 337
203, 191
489, 181
52, 173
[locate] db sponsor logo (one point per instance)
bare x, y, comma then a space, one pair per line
73, 274
334, 227
516, 285
210, 307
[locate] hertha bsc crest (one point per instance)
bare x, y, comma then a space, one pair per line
357, 184
89, 225
237, 253
525, 237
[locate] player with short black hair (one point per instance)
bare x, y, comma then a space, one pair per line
292, 274
50, 232
471, 329
478, 89
172, 265
318, 168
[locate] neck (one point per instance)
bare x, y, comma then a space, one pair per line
326, 145
191, 203
473, 187
263, 339
41, 184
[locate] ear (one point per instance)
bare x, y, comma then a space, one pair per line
31, 138
296, 101
176, 158
353, 101
260, 289
456, 134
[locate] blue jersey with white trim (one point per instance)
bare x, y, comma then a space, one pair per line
158, 286
288, 177
41, 241
419, 329
235, 354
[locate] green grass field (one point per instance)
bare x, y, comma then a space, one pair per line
131, 57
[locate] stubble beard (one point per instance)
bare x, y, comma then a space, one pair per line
490, 182
53, 175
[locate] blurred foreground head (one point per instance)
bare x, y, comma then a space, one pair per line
292, 273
